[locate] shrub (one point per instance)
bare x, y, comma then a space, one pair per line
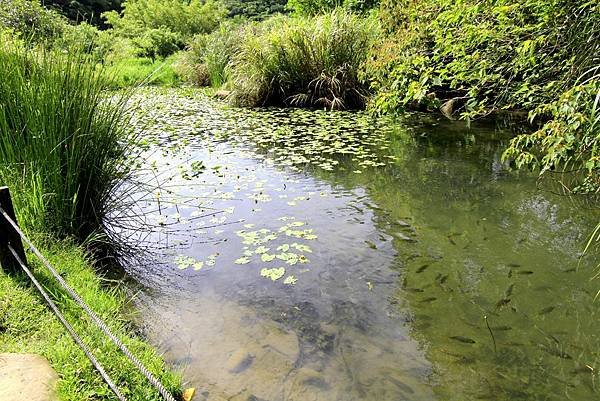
185, 18
483, 55
314, 7
255, 9
569, 144
159, 28
207, 59
29, 19
304, 61
157, 42
62, 141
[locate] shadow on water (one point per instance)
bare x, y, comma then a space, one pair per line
317, 256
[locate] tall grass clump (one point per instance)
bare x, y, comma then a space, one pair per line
62, 139
305, 61
208, 56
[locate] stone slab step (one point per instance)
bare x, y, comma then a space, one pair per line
26, 377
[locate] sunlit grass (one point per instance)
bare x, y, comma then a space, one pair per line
63, 141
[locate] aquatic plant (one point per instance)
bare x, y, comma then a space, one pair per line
62, 139
305, 61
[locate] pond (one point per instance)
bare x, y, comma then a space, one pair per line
306, 255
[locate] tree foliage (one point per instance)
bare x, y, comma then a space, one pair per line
314, 7
31, 20
489, 54
84, 10
160, 27
255, 9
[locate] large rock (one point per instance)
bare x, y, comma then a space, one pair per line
26, 377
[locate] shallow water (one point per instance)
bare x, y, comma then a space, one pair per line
304, 255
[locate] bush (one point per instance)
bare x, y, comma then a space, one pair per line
207, 59
568, 144
159, 28
482, 55
304, 61
255, 9
157, 43
185, 18
62, 141
314, 7
32, 21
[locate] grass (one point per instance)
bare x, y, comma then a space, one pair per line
134, 71
207, 59
63, 142
305, 61
27, 325
297, 61
64, 146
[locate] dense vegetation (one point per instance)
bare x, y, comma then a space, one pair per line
474, 58
84, 10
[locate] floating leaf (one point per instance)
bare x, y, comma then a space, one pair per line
290, 280
261, 249
274, 274
265, 257
242, 261
302, 248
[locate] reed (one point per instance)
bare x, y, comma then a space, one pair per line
63, 140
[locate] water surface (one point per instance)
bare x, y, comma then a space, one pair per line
306, 255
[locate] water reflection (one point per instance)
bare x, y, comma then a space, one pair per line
429, 271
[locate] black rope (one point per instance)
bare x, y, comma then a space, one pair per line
153, 380
69, 328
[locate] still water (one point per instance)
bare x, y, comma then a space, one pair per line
305, 255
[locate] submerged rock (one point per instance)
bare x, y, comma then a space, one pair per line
239, 361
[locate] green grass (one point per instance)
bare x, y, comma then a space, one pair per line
305, 61
27, 325
135, 71
63, 142
64, 146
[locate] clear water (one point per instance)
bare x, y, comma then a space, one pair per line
304, 255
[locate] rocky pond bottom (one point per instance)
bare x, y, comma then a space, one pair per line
305, 255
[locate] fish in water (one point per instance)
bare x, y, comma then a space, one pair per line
556, 352
462, 339
509, 291
414, 289
501, 328
524, 272
404, 237
547, 310
402, 223
514, 265
371, 244
426, 300
451, 240
502, 302
422, 268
